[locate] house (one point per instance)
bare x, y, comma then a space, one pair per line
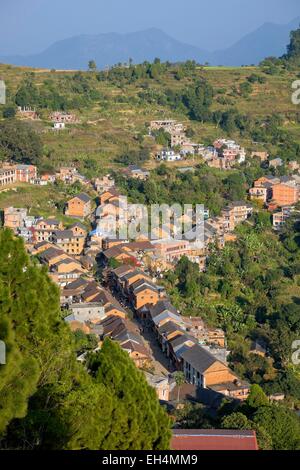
260, 193
143, 293
235, 213
160, 384
79, 206
10, 174
73, 290
26, 173
78, 229
14, 218
45, 228
135, 172
285, 194
172, 251
7, 176
104, 184
166, 124
213, 439
65, 270
59, 126
88, 262
67, 241
127, 279
229, 151
202, 369
27, 113
115, 310
67, 174
280, 217
169, 156
49, 224
162, 312
266, 179
119, 254
275, 163
86, 312
47, 178
128, 336
51, 256
62, 117
167, 332
177, 346
40, 247
109, 195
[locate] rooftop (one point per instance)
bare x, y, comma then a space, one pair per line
213, 439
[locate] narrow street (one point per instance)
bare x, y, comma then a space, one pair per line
161, 363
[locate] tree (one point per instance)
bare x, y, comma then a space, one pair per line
281, 424
179, 380
92, 66
293, 49
138, 422
19, 376
19, 142
257, 397
236, 421
51, 401
198, 100
9, 112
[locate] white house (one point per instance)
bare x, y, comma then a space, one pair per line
169, 156
59, 126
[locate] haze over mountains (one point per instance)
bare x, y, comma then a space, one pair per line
111, 48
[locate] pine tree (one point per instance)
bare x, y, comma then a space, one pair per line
48, 400
19, 376
293, 49
138, 422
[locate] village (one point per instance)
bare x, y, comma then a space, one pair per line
110, 287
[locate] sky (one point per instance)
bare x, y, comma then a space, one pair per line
29, 26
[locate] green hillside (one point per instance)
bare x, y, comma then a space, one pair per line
113, 107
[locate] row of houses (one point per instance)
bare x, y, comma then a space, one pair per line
21, 173
200, 352
37, 229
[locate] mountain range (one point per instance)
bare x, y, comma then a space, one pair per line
111, 48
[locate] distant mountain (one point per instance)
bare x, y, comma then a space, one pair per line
112, 48
268, 40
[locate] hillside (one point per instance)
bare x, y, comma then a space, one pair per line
113, 110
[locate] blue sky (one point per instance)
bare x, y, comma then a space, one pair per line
28, 26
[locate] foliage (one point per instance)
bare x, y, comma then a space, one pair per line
50, 400
19, 142
138, 422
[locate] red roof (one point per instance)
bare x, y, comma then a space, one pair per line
212, 439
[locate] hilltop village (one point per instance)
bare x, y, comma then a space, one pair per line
113, 288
